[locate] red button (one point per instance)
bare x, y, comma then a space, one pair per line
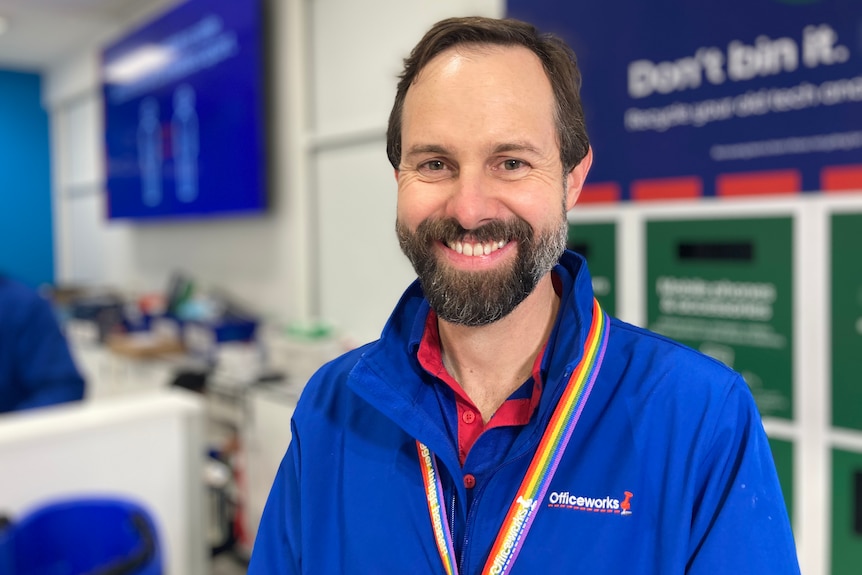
468, 417
469, 481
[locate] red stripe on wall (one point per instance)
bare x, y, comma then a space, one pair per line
667, 189
841, 178
600, 193
759, 183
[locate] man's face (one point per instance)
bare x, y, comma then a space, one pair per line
481, 198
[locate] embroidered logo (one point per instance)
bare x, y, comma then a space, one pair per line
527, 504
608, 504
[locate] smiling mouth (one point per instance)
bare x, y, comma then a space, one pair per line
476, 248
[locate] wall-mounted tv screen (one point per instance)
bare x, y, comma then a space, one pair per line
184, 103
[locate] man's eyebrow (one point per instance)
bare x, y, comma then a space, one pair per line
426, 149
516, 147
501, 148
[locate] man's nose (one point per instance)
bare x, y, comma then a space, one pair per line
472, 201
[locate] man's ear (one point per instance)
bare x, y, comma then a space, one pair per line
576, 178
396, 174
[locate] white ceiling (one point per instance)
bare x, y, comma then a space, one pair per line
41, 33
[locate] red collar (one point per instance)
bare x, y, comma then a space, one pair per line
515, 411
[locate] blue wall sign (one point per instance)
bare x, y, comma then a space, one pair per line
184, 113
729, 97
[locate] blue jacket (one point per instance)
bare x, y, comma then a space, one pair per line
675, 429
36, 368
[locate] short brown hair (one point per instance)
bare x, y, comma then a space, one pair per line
557, 58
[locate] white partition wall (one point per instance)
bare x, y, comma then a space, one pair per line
145, 447
357, 51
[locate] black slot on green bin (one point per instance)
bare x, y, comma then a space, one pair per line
580, 247
712, 251
857, 513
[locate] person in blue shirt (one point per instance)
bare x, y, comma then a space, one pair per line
36, 367
503, 423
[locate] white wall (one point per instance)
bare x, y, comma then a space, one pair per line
327, 250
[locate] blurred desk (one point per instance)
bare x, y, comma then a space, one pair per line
247, 411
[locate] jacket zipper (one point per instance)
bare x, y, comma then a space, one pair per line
452, 513
459, 560
472, 511
479, 492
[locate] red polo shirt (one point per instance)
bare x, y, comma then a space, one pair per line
516, 410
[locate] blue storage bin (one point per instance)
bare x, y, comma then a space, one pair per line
77, 536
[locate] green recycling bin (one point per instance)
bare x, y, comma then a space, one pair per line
725, 287
782, 454
846, 539
846, 312
597, 243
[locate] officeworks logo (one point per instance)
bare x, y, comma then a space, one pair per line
608, 504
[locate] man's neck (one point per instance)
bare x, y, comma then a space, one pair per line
490, 362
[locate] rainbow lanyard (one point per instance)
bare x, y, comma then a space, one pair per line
535, 484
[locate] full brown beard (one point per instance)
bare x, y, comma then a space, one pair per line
475, 298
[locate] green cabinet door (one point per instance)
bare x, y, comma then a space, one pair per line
846, 537
725, 287
846, 312
597, 243
782, 454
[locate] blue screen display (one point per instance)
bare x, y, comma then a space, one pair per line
716, 97
184, 105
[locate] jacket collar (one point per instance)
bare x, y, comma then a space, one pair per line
389, 376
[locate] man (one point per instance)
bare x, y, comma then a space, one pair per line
503, 423
36, 368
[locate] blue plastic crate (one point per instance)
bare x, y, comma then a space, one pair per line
77, 536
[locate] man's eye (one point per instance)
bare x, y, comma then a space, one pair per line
512, 164
435, 165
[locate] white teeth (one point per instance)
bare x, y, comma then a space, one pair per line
476, 249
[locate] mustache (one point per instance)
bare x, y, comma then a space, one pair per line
448, 230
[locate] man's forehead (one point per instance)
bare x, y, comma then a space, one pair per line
454, 58
481, 75
483, 98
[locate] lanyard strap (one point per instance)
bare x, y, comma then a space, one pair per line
535, 484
